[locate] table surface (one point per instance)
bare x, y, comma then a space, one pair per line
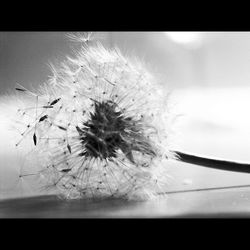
201, 204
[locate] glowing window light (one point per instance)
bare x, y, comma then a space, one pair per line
190, 39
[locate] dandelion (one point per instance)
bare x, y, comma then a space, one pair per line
98, 126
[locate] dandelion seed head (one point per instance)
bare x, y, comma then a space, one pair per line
98, 126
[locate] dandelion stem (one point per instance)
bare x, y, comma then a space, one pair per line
213, 163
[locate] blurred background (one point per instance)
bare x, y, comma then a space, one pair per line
207, 73
181, 59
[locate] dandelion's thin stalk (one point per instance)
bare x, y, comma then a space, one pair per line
213, 163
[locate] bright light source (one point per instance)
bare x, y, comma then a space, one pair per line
191, 39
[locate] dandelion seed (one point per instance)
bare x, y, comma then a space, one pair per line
55, 101
34, 139
101, 131
22, 90
43, 118
86, 37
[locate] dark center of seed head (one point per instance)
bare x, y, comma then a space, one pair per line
108, 130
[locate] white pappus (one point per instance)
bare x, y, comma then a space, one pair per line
98, 127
